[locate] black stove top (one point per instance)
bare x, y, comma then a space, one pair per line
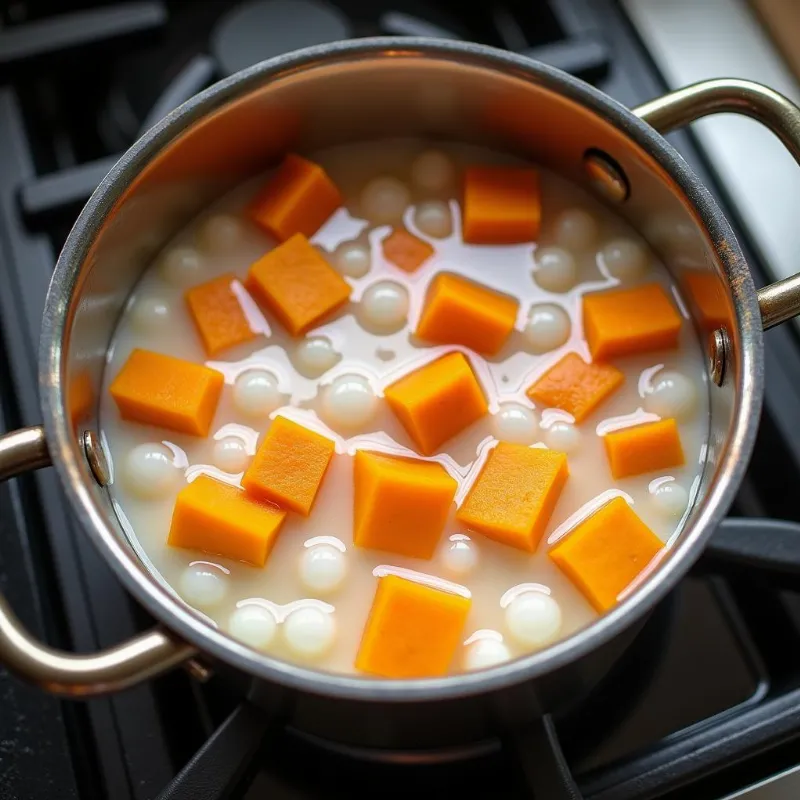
706, 701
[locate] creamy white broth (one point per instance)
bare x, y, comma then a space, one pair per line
222, 240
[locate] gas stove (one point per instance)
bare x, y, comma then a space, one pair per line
706, 703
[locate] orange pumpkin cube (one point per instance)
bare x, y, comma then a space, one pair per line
644, 448
605, 552
708, 298
575, 386
297, 285
515, 494
155, 389
220, 519
405, 250
458, 311
401, 505
218, 315
413, 630
624, 322
502, 205
437, 401
289, 466
298, 199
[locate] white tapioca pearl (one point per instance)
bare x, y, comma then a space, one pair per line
515, 423
555, 270
548, 327
150, 313
149, 471
253, 625
230, 454
202, 586
533, 619
670, 499
624, 258
309, 632
352, 259
485, 653
315, 355
460, 554
219, 233
349, 402
432, 171
384, 306
433, 217
323, 568
384, 200
256, 393
576, 229
562, 436
672, 395
181, 266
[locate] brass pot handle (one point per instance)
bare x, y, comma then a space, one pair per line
778, 301
119, 667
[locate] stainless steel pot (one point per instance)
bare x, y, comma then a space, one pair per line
363, 90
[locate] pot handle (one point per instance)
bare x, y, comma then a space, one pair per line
779, 301
69, 674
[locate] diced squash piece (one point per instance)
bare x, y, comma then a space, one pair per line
218, 314
221, 519
458, 311
623, 322
644, 448
437, 401
514, 494
297, 285
502, 205
605, 552
400, 504
708, 299
155, 389
575, 386
298, 199
289, 466
405, 250
413, 630
80, 397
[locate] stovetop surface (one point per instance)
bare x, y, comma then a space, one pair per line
706, 701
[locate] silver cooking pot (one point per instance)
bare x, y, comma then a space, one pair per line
364, 90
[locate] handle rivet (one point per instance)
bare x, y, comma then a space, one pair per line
719, 347
199, 671
96, 456
605, 176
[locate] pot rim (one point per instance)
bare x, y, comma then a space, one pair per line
178, 617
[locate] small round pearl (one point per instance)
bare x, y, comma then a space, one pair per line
562, 436
149, 471
624, 258
150, 313
672, 395
433, 217
670, 499
349, 402
256, 393
181, 266
202, 586
219, 233
515, 423
315, 355
309, 631
352, 259
432, 171
533, 619
576, 229
556, 270
384, 200
548, 327
230, 454
322, 568
460, 556
384, 306
253, 625
485, 653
